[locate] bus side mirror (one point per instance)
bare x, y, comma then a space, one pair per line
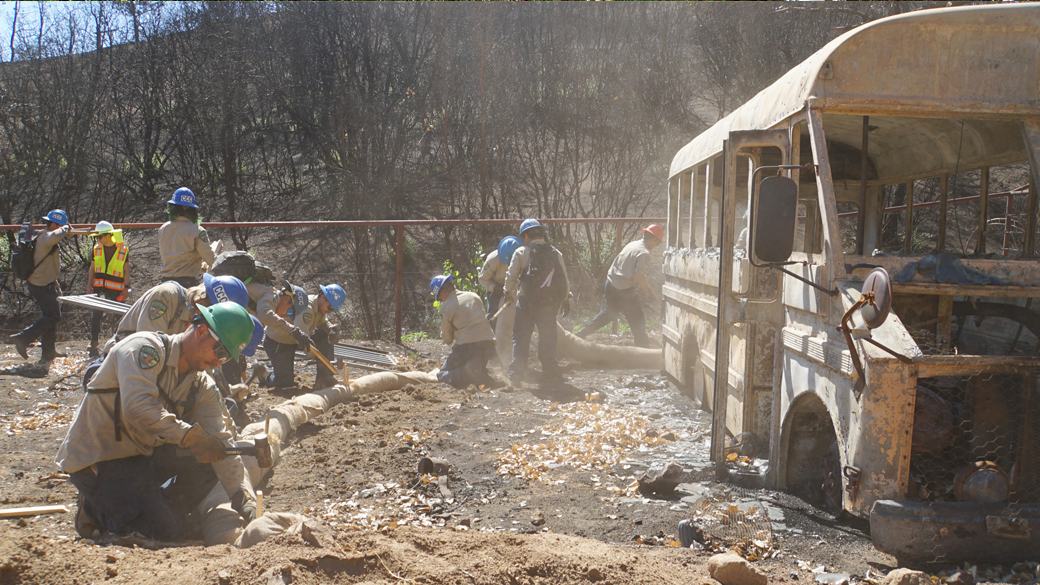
775, 219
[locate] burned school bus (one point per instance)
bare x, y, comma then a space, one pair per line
863, 233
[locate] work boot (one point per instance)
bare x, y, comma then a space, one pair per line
323, 381
51, 356
92, 351
85, 527
20, 345
474, 374
517, 379
259, 374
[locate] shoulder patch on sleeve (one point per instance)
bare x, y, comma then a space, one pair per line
307, 318
156, 309
147, 357
203, 235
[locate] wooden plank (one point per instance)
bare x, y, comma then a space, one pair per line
32, 511
960, 290
944, 326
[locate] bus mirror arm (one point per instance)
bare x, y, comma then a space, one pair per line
867, 298
832, 292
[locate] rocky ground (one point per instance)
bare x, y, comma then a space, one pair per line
542, 489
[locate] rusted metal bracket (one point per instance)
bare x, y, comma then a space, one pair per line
852, 475
846, 330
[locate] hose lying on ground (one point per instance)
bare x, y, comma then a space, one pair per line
221, 524
607, 356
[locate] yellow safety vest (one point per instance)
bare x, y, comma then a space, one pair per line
111, 276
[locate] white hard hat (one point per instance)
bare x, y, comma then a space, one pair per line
102, 228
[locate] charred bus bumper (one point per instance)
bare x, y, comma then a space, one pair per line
953, 532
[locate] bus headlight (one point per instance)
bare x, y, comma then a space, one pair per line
983, 482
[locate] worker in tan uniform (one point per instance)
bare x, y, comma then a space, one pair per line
626, 287
492, 277
184, 245
328, 301
44, 288
537, 282
108, 275
169, 307
465, 327
282, 332
150, 397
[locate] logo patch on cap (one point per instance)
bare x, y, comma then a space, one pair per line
148, 357
156, 309
218, 292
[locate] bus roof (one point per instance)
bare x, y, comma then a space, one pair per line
976, 62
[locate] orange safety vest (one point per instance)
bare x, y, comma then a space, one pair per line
111, 276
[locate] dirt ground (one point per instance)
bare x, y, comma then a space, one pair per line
540, 490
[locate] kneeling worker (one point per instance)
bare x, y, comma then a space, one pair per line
464, 323
149, 398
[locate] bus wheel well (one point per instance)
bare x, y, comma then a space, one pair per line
812, 457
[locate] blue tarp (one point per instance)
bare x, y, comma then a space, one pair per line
945, 269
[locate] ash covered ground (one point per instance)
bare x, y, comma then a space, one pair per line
540, 490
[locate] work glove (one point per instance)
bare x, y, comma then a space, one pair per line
302, 339
565, 308
204, 447
242, 503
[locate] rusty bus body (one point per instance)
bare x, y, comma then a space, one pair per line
920, 442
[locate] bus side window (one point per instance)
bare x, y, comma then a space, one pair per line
683, 209
673, 210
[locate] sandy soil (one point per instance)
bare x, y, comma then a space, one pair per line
540, 490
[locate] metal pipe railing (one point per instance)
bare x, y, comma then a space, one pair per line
398, 225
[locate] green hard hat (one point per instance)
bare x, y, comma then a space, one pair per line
232, 325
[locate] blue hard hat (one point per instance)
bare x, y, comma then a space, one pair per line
255, 340
438, 283
507, 246
528, 224
57, 216
225, 288
183, 196
335, 294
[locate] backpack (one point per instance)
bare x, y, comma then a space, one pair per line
242, 266
235, 263
543, 283
22, 259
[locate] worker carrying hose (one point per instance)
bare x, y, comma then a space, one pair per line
537, 282
146, 408
492, 275
465, 327
626, 287
493, 279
